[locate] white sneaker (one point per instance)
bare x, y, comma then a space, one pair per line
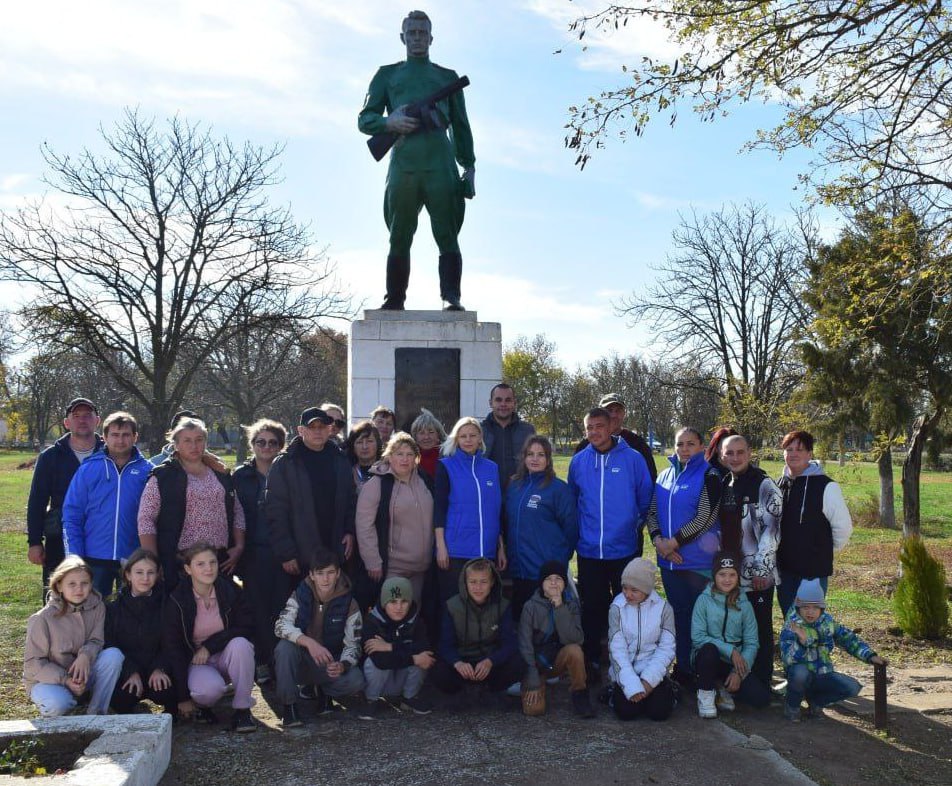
705, 703
725, 700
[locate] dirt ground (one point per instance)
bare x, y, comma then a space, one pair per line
496, 744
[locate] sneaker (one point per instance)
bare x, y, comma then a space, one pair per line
308, 692
593, 672
553, 681
204, 716
324, 704
262, 674
515, 689
374, 709
706, 707
725, 700
582, 704
290, 718
606, 695
417, 705
242, 722
791, 713
813, 711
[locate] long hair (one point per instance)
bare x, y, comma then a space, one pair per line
522, 472
452, 441
68, 565
713, 450
362, 428
140, 555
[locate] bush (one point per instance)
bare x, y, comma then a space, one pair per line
921, 598
866, 512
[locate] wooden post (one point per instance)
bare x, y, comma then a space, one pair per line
880, 719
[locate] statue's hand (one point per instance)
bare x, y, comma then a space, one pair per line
469, 179
399, 123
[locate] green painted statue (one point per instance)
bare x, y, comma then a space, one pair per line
423, 164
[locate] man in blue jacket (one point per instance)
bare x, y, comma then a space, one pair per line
101, 505
614, 490
53, 471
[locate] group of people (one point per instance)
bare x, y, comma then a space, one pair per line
375, 559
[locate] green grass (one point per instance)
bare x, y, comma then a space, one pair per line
19, 597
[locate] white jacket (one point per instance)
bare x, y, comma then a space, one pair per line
640, 642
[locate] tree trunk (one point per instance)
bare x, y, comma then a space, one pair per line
887, 501
912, 470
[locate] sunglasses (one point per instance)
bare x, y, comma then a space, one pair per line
267, 443
340, 423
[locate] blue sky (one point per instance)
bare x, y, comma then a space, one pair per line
547, 248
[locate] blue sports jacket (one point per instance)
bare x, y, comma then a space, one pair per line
541, 524
101, 506
677, 494
468, 488
614, 492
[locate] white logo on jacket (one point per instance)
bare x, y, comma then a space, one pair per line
534, 501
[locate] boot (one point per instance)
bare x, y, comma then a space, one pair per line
451, 272
582, 704
398, 277
705, 703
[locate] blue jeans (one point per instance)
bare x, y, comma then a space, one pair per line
682, 588
106, 575
53, 700
789, 584
818, 689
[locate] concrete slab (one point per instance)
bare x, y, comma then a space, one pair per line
131, 750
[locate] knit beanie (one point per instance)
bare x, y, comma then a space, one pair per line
639, 574
553, 568
725, 559
811, 591
396, 588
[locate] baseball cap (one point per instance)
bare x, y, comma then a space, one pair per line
612, 398
81, 402
311, 414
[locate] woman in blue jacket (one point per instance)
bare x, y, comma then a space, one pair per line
467, 506
541, 520
683, 525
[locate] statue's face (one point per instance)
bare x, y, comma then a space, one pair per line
416, 35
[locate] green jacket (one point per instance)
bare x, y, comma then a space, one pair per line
402, 83
727, 629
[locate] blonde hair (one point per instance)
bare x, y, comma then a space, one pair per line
186, 424
67, 566
401, 438
452, 441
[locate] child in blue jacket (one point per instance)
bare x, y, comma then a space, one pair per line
806, 646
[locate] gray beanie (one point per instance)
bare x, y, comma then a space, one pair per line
811, 591
639, 574
396, 588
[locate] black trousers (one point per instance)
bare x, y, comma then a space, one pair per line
448, 580
710, 669
762, 601
267, 589
502, 675
522, 590
657, 705
124, 702
599, 581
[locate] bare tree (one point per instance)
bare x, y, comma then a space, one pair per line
728, 300
165, 241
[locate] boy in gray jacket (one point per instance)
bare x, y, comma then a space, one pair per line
550, 640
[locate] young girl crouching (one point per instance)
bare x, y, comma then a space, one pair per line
134, 626
207, 630
64, 657
724, 642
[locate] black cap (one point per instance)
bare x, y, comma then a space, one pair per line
182, 413
725, 559
81, 402
311, 414
556, 568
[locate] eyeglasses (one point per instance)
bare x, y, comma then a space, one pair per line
340, 423
267, 443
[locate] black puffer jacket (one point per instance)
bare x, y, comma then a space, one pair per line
134, 625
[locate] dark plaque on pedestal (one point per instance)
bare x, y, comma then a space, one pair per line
426, 377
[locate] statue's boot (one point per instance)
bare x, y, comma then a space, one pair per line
451, 272
398, 277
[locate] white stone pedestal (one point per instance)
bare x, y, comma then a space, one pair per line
371, 357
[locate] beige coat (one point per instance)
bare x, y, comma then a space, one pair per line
411, 523
53, 641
